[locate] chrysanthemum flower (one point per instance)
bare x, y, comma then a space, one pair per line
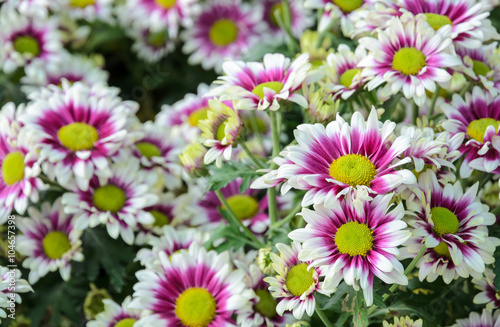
221, 131
30, 7
159, 153
403, 322
453, 225
149, 45
192, 158
170, 241
19, 170
191, 288
340, 159
487, 318
355, 244
408, 55
116, 315
89, 10
295, 284
342, 72
261, 86
479, 118
21, 286
74, 68
24, 38
50, 241
119, 202
488, 294
463, 16
77, 128
482, 65
300, 18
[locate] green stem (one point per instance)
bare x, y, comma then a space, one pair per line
408, 269
466, 89
496, 211
271, 192
433, 101
235, 220
485, 178
292, 42
255, 126
290, 216
364, 103
323, 316
251, 156
414, 111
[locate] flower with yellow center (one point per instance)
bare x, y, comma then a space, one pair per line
109, 198
354, 239
56, 244
437, 21
195, 307
353, 169
299, 280
409, 61
81, 3
348, 5
114, 314
78, 136
244, 206
13, 168
223, 32
477, 128
167, 4
27, 44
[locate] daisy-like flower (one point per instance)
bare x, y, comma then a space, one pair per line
116, 315
478, 117
74, 68
18, 181
300, 17
24, 38
77, 128
8, 292
464, 17
149, 45
158, 15
408, 55
159, 153
295, 284
453, 226
191, 288
488, 294
119, 201
482, 65
221, 131
487, 318
355, 244
50, 241
340, 159
89, 10
30, 7
223, 29
403, 322
260, 86
172, 240
192, 158
342, 72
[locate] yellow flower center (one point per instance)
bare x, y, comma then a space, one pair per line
157, 39
445, 221
409, 61
197, 115
277, 9
127, 322
81, 3
299, 279
437, 21
55, 244
195, 307
160, 218
267, 304
167, 4
27, 44
354, 238
221, 130
477, 128
109, 198
148, 150
259, 89
244, 206
480, 68
13, 168
353, 169
78, 136
223, 32
348, 5
442, 249
347, 76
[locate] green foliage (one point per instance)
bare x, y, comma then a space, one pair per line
221, 177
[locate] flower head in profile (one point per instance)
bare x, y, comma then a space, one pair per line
260, 86
50, 241
409, 56
356, 160
354, 244
486, 318
115, 314
488, 295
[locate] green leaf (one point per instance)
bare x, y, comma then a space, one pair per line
496, 270
221, 177
342, 289
360, 318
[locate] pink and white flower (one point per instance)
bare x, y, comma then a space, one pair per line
488, 318
116, 315
260, 86
410, 56
488, 294
7, 295
354, 244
